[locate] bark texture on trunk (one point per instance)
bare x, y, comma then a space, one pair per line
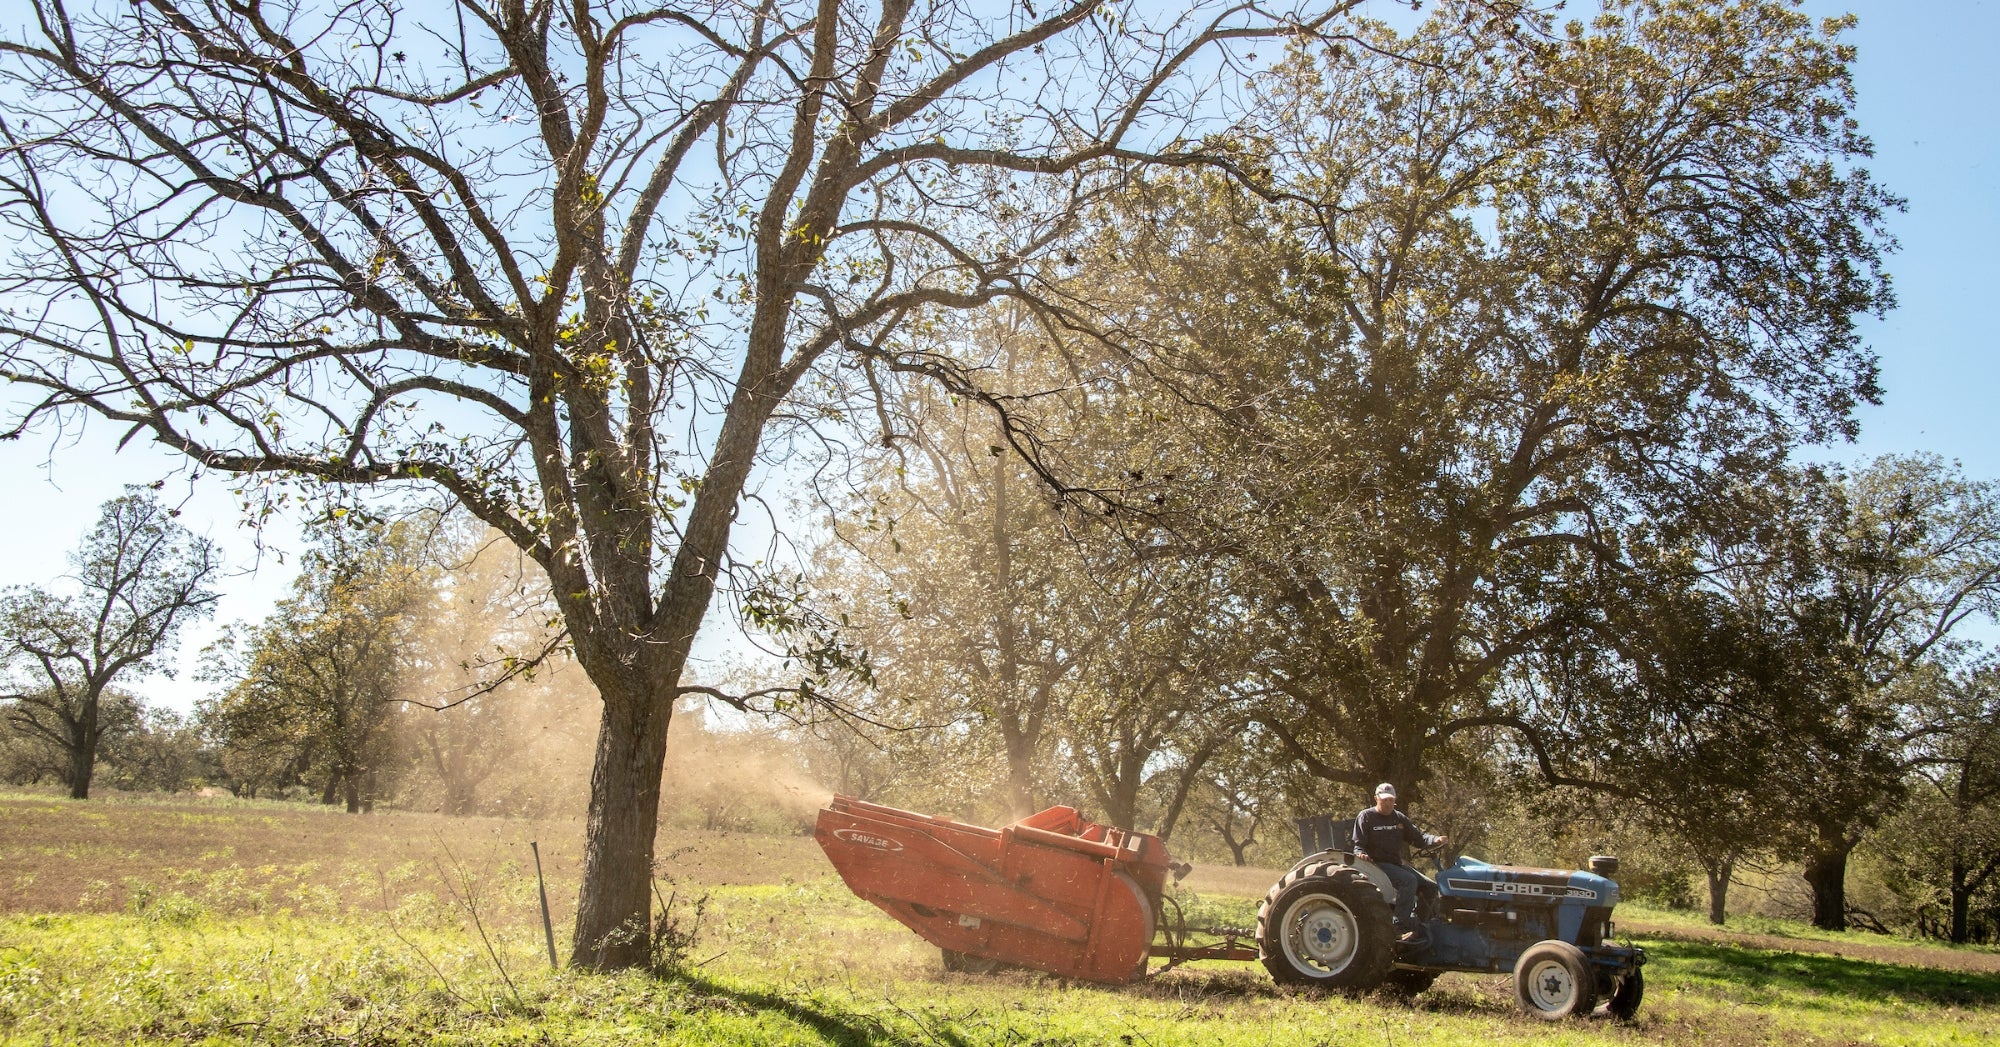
1189, 775
1961, 906
1719, 875
82, 762
1826, 873
1020, 771
1239, 850
1121, 799
612, 913
83, 749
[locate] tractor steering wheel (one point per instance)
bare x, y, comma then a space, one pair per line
1435, 852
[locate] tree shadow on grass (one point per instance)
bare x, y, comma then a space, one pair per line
836, 1025
1809, 974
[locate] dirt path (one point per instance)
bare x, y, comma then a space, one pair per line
1882, 951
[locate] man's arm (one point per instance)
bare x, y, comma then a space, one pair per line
1422, 839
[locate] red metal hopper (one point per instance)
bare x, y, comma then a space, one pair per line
1052, 891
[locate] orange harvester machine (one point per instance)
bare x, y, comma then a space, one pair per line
1053, 891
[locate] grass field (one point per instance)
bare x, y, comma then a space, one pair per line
184, 921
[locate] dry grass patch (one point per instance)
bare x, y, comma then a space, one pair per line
104, 855
1236, 881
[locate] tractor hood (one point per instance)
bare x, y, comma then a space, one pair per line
1471, 878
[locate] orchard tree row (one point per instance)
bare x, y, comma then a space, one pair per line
1223, 392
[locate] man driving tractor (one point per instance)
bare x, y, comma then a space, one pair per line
1381, 834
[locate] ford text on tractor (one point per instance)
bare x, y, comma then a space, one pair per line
1056, 892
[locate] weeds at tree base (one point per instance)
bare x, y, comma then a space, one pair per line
671, 944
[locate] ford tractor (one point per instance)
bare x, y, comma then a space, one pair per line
1327, 923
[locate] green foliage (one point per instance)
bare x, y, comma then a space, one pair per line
311, 688
167, 753
1941, 845
1497, 301
138, 578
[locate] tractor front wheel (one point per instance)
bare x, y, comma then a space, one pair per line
1553, 980
1325, 926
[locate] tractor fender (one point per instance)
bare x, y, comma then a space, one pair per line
1361, 865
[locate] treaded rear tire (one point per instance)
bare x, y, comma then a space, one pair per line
1327, 927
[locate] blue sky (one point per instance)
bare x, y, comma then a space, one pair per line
1927, 97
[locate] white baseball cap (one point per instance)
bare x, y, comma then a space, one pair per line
1385, 789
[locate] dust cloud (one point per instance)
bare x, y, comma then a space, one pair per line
477, 733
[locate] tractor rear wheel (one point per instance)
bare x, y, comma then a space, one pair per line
1553, 980
1325, 926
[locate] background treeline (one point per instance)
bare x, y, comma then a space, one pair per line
416, 665
1457, 422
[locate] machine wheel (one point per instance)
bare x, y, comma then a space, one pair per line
1325, 926
1553, 980
1625, 999
1152, 911
967, 963
1406, 982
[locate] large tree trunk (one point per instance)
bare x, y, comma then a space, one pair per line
637, 656
1020, 771
461, 786
458, 798
624, 818
1122, 800
1719, 875
1239, 850
1190, 773
1826, 873
83, 749
82, 762
1016, 727
1961, 902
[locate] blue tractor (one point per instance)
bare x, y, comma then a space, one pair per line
1326, 923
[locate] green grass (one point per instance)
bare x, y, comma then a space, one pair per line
808, 963
1653, 917
1833, 984
220, 951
